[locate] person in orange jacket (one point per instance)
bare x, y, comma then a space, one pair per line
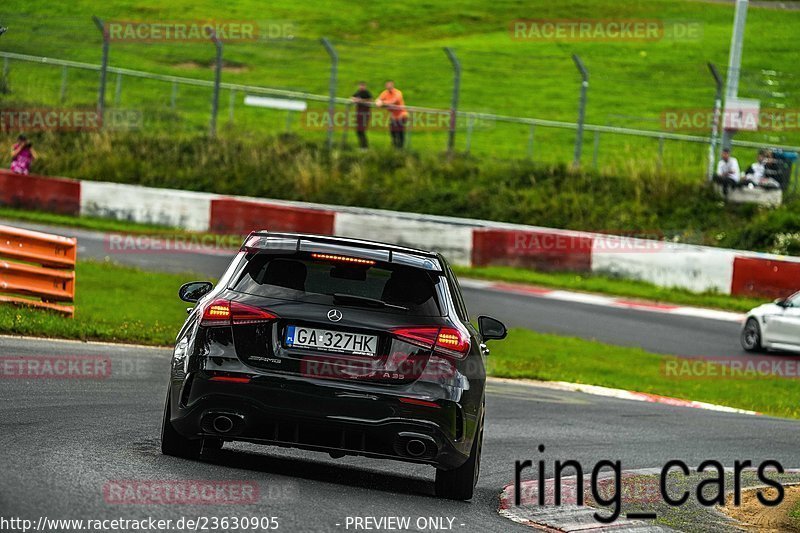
392, 99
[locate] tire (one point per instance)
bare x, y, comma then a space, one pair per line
459, 483
751, 336
175, 444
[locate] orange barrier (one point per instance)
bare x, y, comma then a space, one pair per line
41, 271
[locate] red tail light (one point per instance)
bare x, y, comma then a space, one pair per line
217, 313
225, 313
231, 379
447, 341
247, 314
424, 403
451, 341
425, 337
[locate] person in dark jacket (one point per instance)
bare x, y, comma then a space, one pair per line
363, 101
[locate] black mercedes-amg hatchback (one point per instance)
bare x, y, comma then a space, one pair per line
339, 345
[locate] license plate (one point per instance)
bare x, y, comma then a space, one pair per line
331, 341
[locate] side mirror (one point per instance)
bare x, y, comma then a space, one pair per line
194, 290
491, 328
780, 302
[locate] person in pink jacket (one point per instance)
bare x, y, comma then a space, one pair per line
22, 155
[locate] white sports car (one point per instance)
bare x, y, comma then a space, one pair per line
773, 326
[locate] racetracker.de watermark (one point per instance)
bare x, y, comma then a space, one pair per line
749, 119
322, 120
131, 243
731, 367
55, 367
527, 243
65, 120
149, 31
606, 30
186, 492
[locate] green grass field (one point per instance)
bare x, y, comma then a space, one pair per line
112, 303
527, 354
632, 82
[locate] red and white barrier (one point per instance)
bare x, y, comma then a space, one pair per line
696, 268
539, 248
42, 193
463, 241
232, 215
763, 275
454, 241
147, 205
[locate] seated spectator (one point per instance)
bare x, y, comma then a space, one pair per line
756, 175
22, 155
728, 173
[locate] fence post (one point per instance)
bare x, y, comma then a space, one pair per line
712, 147
101, 97
531, 136
63, 92
5, 87
348, 109
581, 108
796, 178
451, 138
118, 90
231, 104
596, 153
331, 88
289, 115
217, 80
735, 63
470, 124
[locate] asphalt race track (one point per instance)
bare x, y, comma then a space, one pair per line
64, 440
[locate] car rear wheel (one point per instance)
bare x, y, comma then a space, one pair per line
459, 483
175, 444
751, 336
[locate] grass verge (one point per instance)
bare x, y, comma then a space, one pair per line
530, 355
794, 515
82, 222
612, 286
112, 303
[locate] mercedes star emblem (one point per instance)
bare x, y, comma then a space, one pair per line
334, 315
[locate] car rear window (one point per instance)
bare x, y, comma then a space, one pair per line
301, 277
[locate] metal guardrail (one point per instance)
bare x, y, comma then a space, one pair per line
41, 272
595, 128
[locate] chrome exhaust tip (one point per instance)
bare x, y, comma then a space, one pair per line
416, 448
222, 424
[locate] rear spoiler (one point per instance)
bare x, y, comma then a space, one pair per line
394, 254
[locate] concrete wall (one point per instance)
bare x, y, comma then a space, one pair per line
166, 207
454, 241
695, 268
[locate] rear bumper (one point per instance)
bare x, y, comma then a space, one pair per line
324, 417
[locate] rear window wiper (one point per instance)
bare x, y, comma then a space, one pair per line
363, 300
